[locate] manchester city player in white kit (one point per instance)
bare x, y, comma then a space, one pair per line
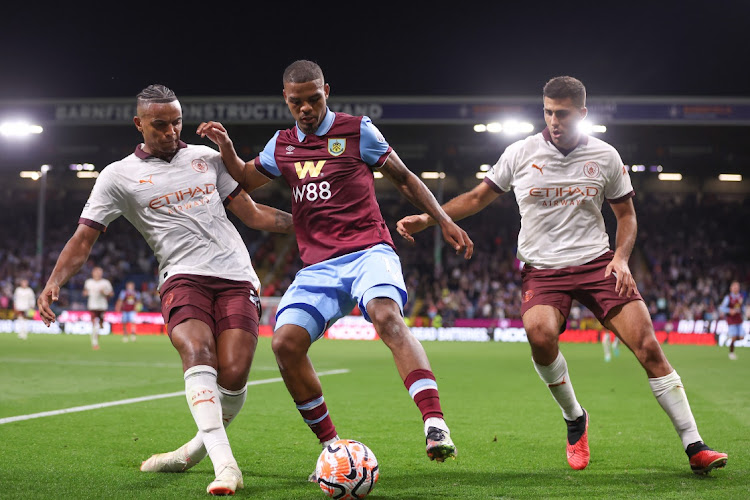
560, 178
176, 195
97, 290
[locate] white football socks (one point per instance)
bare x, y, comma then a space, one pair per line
95, 334
557, 379
330, 441
435, 422
671, 396
202, 394
231, 404
22, 329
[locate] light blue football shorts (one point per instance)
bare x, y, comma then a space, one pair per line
324, 292
735, 331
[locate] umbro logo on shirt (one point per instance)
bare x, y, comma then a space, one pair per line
290, 150
145, 181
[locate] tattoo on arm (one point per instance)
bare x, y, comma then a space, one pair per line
283, 221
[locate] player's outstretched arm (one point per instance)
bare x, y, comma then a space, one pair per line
70, 261
627, 227
259, 216
458, 208
414, 190
243, 172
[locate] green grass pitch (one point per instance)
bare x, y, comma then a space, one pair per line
509, 432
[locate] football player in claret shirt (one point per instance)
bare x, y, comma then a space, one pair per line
732, 309
560, 177
128, 301
327, 159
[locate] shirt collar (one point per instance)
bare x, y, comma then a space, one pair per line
325, 126
583, 140
140, 153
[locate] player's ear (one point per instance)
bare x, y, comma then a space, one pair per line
137, 121
584, 112
326, 90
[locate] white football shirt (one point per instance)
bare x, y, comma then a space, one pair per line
178, 208
24, 299
98, 293
560, 197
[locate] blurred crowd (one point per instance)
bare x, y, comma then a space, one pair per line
689, 248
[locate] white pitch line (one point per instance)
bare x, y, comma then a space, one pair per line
77, 409
125, 364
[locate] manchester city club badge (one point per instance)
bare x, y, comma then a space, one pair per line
336, 146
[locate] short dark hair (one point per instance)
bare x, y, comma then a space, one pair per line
561, 87
302, 71
155, 93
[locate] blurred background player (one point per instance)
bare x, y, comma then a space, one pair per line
560, 178
731, 307
610, 344
177, 196
128, 301
98, 290
327, 159
24, 302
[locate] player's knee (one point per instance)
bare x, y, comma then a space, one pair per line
286, 346
233, 376
541, 335
389, 325
384, 312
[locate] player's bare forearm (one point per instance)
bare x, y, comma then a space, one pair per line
70, 261
73, 255
236, 166
468, 203
412, 188
259, 216
627, 229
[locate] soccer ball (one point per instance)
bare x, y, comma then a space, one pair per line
347, 470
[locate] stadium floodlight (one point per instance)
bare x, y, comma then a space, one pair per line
494, 127
638, 168
670, 176
377, 175
480, 127
87, 175
514, 127
481, 175
45, 168
730, 177
19, 129
81, 166
485, 167
433, 175
588, 127
34, 175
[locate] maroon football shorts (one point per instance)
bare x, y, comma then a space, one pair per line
97, 314
220, 303
585, 283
